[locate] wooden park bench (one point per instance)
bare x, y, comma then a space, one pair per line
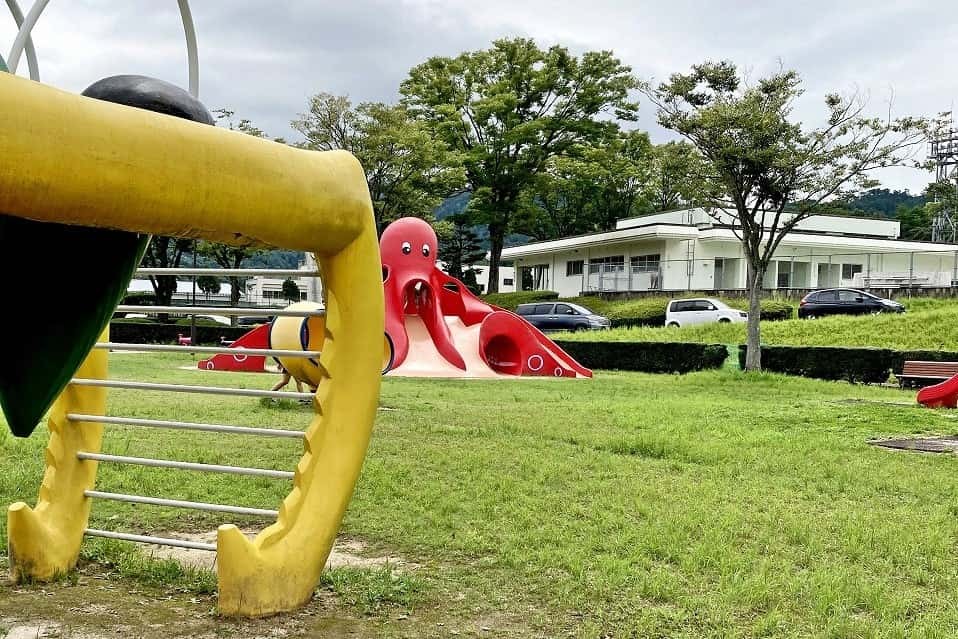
915, 373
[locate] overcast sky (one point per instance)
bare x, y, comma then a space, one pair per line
263, 59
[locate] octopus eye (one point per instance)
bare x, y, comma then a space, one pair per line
425, 250
406, 248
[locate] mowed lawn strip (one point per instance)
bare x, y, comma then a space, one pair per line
711, 504
928, 324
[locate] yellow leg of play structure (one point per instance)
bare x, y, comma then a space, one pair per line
45, 541
280, 568
73, 160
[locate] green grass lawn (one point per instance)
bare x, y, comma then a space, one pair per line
714, 504
928, 324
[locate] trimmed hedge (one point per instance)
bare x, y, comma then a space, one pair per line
131, 332
511, 301
647, 357
862, 365
137, 299
626, 313
651, 311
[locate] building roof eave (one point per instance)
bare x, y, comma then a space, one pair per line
603, 238
843, 241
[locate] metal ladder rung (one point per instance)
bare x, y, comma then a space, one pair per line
220, 310
227, 272
160, 423
178, 503
183, 388
218, 350
166, 463
146, 539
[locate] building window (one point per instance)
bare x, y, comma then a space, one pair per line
508, 281
535, 278
645, 263
784, 279
849, 270
614, 263
573, 267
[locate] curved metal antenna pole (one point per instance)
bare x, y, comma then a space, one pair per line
31, 52
30, 21
191, 53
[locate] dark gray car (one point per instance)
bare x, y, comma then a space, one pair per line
562, 316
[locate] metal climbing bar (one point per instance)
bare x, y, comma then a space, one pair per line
178, 503
176, 425
228, 272
225, 350
206, 468
146, 539
183, 388
219, 310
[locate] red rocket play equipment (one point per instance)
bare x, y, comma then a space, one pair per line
435, 327
943, 395
256, 338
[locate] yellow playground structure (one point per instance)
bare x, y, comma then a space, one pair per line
77, 165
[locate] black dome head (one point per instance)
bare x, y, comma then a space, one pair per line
151, 94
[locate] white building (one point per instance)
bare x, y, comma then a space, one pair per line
690, 250
507, 277
268, 291
258, 291
184, 293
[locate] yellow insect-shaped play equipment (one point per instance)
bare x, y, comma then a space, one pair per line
84, 182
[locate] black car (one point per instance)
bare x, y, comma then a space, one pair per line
845, 301
562, 316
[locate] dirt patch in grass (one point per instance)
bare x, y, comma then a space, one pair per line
98, 604
921, 444
345, 553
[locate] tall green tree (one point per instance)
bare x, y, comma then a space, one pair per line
165, 252
590, 189
764, 173
229, 257
460, 248
290, 290
408, 170
673, 169
209, 285
915, 222
509, 109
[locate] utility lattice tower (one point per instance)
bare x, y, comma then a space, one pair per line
944, 153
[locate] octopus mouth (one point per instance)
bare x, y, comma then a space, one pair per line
421, 299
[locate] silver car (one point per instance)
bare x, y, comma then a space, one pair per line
703, 310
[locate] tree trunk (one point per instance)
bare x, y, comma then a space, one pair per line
753, 342
163, 287
234, 298
496, 240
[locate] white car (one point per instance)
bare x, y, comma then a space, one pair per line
701, 311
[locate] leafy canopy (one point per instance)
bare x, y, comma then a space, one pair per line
408, 170
508, 110
763, 172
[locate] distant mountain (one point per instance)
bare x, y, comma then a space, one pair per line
882, 202
458, 204
452, 205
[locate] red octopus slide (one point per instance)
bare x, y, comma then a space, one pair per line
435, 327
943, 395
256, 338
